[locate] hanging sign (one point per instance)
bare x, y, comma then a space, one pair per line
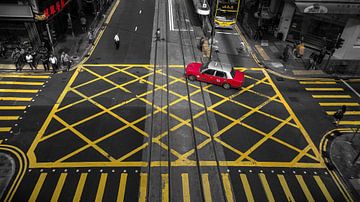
54, 8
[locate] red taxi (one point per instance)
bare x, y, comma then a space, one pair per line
215, 73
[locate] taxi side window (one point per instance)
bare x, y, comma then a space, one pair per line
209, 72
220, 74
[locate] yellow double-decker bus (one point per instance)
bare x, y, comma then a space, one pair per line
226, 13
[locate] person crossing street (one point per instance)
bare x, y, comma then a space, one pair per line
117, 41
65, 60
54, 63
157, 34
30, 60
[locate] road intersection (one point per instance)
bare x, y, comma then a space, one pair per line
90, 140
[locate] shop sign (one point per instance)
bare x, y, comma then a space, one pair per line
54, 8
227, 6
316, 8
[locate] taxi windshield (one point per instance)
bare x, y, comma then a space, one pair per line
204, 66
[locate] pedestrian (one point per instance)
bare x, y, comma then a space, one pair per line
30, 60
15, 56
117, 41
157, 34
91, 37
44, 58
312, 60
339, 114
54, 63
2, 50
65, 60
22, 57
83, 23
285, 55
321, 55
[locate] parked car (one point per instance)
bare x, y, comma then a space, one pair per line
215, 73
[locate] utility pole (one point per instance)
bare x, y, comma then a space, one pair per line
212, 36
50, 38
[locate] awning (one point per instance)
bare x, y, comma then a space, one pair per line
15, 12
327, 7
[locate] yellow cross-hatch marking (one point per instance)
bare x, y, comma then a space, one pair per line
182, 158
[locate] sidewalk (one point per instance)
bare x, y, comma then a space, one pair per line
269, 52
76, 46
341, 150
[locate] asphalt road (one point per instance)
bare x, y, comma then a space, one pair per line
85, 133
133, 20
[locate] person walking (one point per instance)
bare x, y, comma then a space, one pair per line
2, 50
54, 63
157, 34
285, 54
30, 60
65, 60
15, 55
83, 23
91, 37
117, 41
44, 58
339, 114
321, 56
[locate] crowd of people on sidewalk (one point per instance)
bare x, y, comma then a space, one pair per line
28, 56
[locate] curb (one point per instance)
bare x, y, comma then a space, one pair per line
262, 64
324, 149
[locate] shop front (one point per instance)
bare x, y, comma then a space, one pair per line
17, 25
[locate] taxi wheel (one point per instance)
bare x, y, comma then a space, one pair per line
192, 78
226, 86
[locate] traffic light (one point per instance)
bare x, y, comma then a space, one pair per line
339, 43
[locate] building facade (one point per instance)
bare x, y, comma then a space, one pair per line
318, 22
39, 21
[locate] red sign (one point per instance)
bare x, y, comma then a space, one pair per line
54, 8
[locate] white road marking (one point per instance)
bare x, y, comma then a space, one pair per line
140, 11
353, 90
135, 28
229, 33
171, 19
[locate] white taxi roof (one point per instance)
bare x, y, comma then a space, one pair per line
220, 66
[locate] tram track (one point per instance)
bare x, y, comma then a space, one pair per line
162, 138
192, 38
